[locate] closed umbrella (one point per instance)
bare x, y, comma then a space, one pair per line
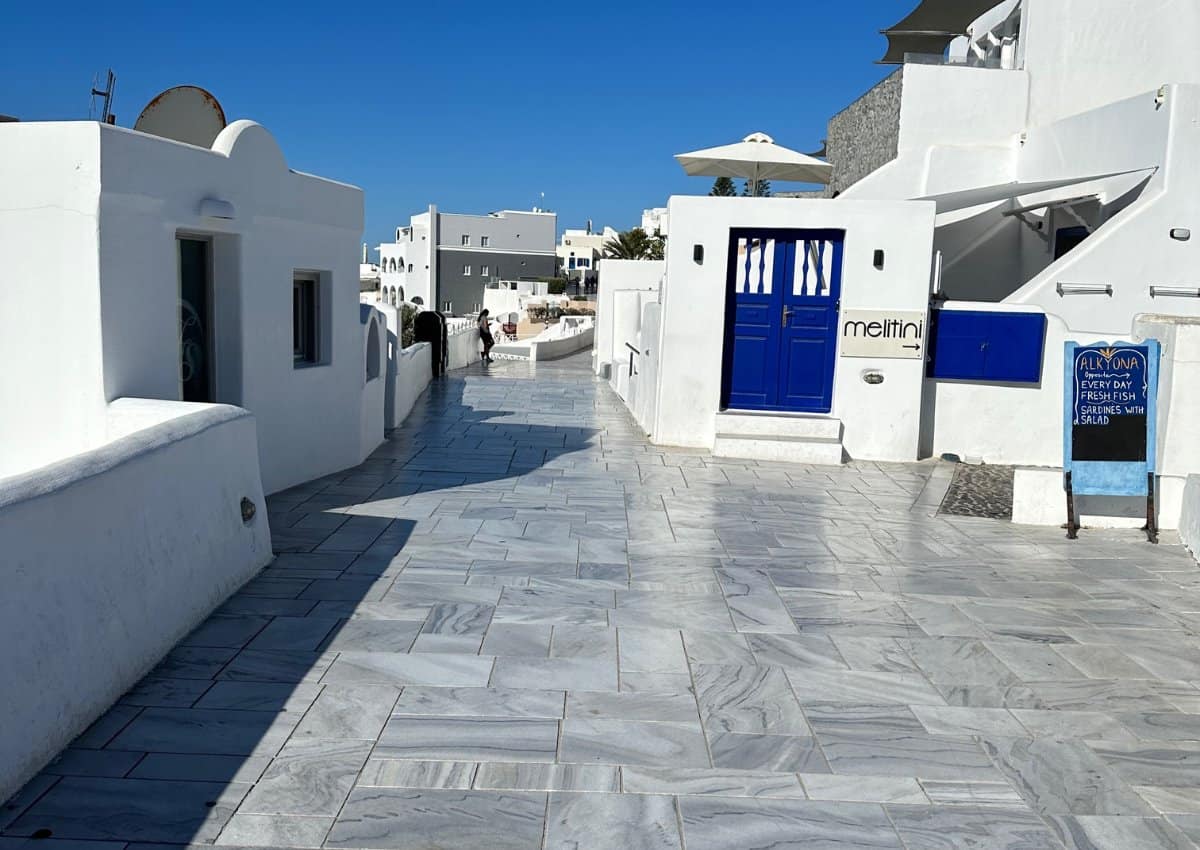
756, 158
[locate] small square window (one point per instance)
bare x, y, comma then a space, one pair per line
304, 321
467, 270
466, 240
485, 241
483, 271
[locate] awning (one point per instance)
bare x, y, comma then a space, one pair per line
1042, 193
931, 27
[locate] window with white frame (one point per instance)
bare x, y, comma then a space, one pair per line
485, 241
467, 270
483, 271
466, 240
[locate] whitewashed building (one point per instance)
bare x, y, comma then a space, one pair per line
1033, 181
580, 250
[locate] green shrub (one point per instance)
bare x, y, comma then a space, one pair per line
408, 319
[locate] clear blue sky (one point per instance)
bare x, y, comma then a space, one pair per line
472, 106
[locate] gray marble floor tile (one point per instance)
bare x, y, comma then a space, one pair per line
396, 773
1163, 726
310, 776
777, 753
1084, 725
937, 827
249, 830
633, 742
260, 696
584, 674
397, 819
530, 776
303, 634
949, 792
747, 699
633, 822
253, 665
469, 739
817, 685
349, 711
1063, 777
656, 683
718, 781
374, 635
206, 731
717, 647
444, 670
1113, 833
1168, 801
864, 789
480, 702
132, 810
713, 823
79, 762
955, 720
898, 754
651, 651
531, 640
200, 768
570, 641
674, 708
783, 650
1152, 763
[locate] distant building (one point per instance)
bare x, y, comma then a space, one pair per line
654, 221
579, 251
444, 260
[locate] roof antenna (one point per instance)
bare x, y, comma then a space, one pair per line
106, 114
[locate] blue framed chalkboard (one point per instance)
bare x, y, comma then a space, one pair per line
1110, 413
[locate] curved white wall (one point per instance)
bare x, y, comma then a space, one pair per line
110, 558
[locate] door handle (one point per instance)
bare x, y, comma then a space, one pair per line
786, 312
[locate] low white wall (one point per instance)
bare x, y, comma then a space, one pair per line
414, 369
1189, 516
375, 368
463, 345
618, 276
110, 558
552, 349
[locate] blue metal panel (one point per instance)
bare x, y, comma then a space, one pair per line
985, 346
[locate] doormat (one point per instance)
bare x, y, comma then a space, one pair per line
980, 491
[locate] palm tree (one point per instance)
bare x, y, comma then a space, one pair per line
629, 245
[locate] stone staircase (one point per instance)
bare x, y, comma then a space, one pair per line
786, 437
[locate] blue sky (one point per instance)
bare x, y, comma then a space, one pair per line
469, 105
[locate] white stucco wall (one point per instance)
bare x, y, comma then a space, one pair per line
463, 345
121, 198
1189, 517
110, 558
1134, 250
413, 373
881, 422
620, 276
52, 384
1081, 54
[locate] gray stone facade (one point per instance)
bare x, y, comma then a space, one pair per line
465, 291
865, 136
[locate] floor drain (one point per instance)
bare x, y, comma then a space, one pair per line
42, 833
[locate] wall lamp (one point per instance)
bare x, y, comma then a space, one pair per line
1084, 289
1177, 291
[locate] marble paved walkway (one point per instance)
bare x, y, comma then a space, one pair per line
520, 625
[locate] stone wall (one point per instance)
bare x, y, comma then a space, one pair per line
865, 135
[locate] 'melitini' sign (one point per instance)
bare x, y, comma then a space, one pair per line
886, 334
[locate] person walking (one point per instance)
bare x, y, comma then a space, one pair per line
485, 336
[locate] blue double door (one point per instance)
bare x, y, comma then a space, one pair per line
782, 319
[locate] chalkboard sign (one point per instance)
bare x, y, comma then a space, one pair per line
1110, 399
1110, 413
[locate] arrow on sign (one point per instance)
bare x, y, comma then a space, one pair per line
914, 347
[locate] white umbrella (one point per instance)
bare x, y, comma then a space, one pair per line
756, 158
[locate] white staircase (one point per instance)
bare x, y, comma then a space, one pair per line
786, 437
